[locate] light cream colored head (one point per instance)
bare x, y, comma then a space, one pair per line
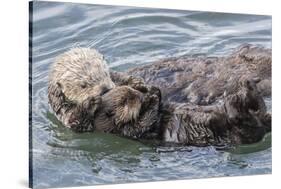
82, 72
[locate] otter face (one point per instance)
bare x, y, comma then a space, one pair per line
79, 91
124, 102
82, 72
127, 105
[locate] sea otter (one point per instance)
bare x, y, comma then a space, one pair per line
77, 81
239, 118
203, 103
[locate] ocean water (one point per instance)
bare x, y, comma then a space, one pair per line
129, 37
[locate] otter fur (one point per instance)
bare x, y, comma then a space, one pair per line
204, 80
240, 118
128, 112
212, 100
206, 101
77, 80
78, 83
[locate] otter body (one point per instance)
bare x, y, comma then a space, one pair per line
240, 118
213, 100
206, 101
203, 80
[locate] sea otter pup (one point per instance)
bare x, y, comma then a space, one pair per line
238, 118
129, 112
211, 100
77, 81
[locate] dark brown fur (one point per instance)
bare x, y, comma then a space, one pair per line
128, 112
205, 80
240, 118
212, 100
206, 100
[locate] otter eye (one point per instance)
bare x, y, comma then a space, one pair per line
83, 85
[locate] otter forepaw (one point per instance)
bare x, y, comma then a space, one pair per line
150, 101
138, 84
154, 99
91, 104
155, 91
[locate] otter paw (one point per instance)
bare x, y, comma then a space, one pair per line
155, 91
73, 121
138, 84
91, 104
150, 101
154, 99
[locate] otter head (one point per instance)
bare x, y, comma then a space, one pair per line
127, 105
88, 97
124, 103
246, 112
82, 73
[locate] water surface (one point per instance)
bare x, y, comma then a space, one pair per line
129, 37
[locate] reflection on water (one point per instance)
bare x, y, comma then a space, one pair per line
129, 37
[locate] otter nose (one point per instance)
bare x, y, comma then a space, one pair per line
104, 90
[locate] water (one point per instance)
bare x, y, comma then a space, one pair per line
128, 37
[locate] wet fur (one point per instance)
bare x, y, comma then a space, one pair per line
77, 80
240, 118
206, 100
204, 80
128, 112
212, 100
